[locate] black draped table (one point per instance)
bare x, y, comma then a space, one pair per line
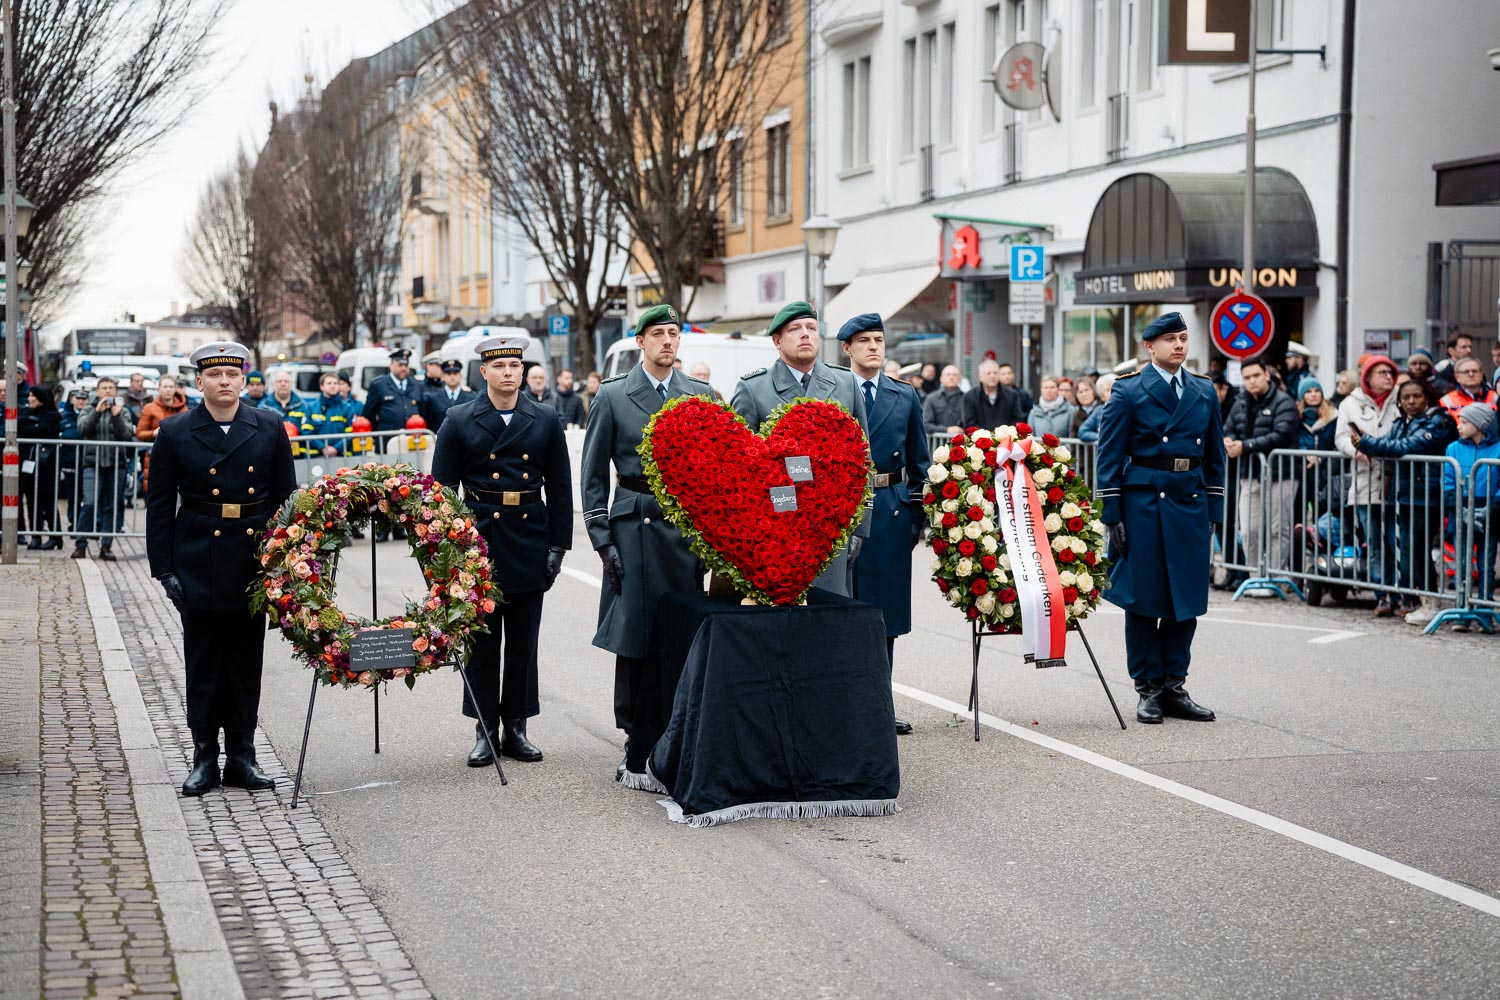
754, 711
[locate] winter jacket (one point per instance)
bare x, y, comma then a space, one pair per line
1359, 409
1459, 397
943, 409
153, 413
1263, 425
569, 407
978, 411
1486, 480
1428, 433
106, 426
1092, 425
41, 423
1080, 415
1317, 432
1055, 417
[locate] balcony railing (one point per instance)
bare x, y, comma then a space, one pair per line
1013, 151
1118, 118
925, 163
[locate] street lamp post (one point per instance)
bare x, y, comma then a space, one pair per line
17, 221
819, 234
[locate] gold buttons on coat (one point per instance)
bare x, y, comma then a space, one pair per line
251, 491
525, 475
251, 469
216, 532
492, 458
523, 517
216, 492
494, 475
213, 472
495, 516
524, 458
249, 531
1163, 439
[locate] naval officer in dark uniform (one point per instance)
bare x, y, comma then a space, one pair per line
899, 456
230, 463
798, 374
1161, 482
392, 400
450, 392
509, 455
643, 554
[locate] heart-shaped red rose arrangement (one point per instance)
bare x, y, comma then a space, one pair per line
714, 479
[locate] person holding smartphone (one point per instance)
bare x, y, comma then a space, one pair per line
105, 420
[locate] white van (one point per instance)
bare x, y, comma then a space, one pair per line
307, 377
728, 356
461, 347
364, 365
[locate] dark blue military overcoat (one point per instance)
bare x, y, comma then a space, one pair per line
1167, 514
527, 457
898, 444
194, 458
388, 407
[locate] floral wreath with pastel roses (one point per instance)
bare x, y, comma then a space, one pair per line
971, 566
299, 556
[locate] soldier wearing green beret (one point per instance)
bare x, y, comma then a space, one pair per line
799, 374
643, 554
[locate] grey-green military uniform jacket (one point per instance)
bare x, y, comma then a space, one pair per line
655, 554
760, 392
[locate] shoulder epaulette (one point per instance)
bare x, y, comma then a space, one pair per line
842, 368
614, 378
1201, 375
1128, 375
758, 371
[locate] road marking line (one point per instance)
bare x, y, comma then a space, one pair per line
578, 574
1336, 635
1369, 859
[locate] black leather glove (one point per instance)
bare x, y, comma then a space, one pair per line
1117, 540
917, 525
614, 568
554, 566
855, 545
173, 587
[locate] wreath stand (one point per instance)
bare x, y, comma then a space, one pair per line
978, 634
313, 696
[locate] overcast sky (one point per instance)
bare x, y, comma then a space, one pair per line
262, 50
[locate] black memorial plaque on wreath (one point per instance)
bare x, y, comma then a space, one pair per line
382, 649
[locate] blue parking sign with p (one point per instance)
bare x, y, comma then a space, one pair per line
1027, 262
557, 326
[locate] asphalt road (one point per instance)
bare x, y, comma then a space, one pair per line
1013, 870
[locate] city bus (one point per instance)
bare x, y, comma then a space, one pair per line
113, 339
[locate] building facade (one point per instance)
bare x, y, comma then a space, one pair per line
1129, 174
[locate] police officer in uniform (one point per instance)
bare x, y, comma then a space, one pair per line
644, 555
230, 463
899, 455
798, 374
391, 401
1161, 481
449, 393
511, 458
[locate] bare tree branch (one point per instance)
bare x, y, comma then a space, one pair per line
229, 262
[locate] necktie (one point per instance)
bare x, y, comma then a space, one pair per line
869, 396
1177, 386
806, 380
662, 391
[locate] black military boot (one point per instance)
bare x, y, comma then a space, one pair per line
515, 745
1149, 710
483, 754
1176, 703
240, 769
205, 773
903, 728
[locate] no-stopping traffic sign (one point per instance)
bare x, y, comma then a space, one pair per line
1241, 325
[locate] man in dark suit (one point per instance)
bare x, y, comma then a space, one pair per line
898, 452
991, 404
231, 465
1160, 478
511, 458
449, 394
798, 374
392, 400
643, 553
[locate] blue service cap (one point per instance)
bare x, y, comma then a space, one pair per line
1165, 323
863, 323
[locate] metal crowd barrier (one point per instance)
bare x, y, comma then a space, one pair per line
85, 490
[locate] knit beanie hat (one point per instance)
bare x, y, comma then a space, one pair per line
1481, 416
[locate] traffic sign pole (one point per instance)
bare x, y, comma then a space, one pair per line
10, 513
1249, 273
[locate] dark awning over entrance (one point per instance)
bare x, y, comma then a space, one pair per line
1178, 238
1469, 182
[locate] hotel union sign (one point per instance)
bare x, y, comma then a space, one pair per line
1190, 284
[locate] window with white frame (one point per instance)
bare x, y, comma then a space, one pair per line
779, 170
947, 39
910, 108
1273, 24
989, 101
736, 171
856, 146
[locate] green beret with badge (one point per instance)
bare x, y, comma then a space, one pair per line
789, 312
656, 316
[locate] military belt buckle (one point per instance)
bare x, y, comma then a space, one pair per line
1181, 464
229, 510
510, 499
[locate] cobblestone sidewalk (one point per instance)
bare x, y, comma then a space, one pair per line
297, 920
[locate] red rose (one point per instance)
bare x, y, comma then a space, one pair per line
958, 439
1050, 440
1023, 428
973, 614
957, 453
1071, 475
950, 520
983, 442
1066, 555
989, 563
1047, 460
1007, 595
1055, 494
943, 585
967, 547
1089, 557
950, 490
991, 459
939, 546
1075, 524
979, 587
929, 498
1094, 594
989, 493
999, 627
1070, 594
976, 513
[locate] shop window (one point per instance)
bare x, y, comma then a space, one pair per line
1092, 338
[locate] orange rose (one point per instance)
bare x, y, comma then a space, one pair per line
419, 643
